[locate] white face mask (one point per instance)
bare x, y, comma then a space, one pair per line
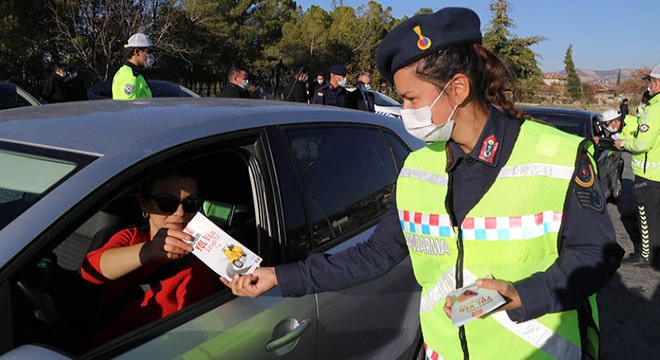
245, 83
611, 129
419, 122
151, 59
342, 82
320, 81
367, 86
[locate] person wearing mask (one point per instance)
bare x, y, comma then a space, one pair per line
75, 88
54, 89
237, 87
129, 82
361, 98
493, 193
318, 83
298, 90
156, 252
333, 93
645, 149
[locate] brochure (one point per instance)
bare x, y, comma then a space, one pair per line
219, 251
471, 302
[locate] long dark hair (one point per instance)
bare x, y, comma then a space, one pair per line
487, 74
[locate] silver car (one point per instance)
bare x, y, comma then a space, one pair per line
305, 178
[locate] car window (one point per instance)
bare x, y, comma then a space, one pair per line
571, 123
53, 304
34, 172
347, 174
384, 100
9, 98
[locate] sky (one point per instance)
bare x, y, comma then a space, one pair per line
606, 34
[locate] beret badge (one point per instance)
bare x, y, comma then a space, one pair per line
423, 43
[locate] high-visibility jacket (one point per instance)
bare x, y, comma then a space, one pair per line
511, 233
645, 146
129, 85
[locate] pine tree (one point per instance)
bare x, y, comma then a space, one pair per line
516, 53
573, 84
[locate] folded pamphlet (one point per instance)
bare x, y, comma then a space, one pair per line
471, 302
219, 251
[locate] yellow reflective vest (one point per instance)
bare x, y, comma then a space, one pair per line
129, 85
511, 233
645, 145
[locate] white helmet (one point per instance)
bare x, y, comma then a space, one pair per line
139, 40
610, 115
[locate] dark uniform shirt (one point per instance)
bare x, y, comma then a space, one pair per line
329, 95
589, 254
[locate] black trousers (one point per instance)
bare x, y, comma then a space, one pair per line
647, 193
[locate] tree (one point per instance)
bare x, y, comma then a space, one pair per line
515, 52
618, 78
573, 84
24, 41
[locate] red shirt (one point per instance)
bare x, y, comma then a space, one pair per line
191, 281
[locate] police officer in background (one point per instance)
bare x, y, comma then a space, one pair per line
333, 93
645, 149
129, 81
492, 194
237, 83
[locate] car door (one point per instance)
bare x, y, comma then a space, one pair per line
219, 326
346, 175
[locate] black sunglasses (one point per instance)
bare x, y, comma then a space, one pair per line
169, 203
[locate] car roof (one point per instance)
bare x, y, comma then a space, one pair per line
106, 126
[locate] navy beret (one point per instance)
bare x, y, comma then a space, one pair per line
425, 34
337, 69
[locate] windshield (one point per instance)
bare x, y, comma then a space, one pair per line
28, 176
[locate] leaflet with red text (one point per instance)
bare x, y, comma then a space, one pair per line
219, 251
471, 302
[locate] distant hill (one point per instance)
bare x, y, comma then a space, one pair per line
601, 76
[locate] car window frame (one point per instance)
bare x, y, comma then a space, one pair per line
101, 196
314, 248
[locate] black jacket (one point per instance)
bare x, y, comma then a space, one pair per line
233, 91
361, 99
54, 90
296, 92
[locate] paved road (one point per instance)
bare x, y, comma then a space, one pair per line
630, 304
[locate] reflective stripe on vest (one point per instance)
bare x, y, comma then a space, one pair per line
525, 203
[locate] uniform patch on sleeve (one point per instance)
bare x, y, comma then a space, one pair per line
591, 199
588, 196
319, 94
585, 176
129, 89
644, 128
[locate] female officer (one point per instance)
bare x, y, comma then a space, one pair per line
492, 194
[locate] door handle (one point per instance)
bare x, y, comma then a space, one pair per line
297, 328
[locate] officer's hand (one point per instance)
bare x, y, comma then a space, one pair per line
166, 244
252, 285
618, 144
596, 139
504, 288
